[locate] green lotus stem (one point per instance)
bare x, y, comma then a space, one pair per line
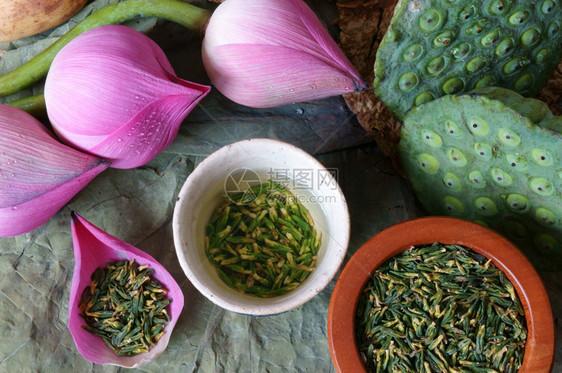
34, 105
185, 14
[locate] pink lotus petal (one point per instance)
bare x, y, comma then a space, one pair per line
326, 43
28, 215
38, 174
146, 135
107, 84
256, 51
94, 248
266, 85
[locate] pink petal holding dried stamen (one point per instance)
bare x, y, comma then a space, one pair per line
94, 248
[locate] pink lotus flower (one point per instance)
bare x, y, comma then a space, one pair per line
38, 174
270, 53
112, 92
94, 248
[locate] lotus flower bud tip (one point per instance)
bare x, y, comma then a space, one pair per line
122, 102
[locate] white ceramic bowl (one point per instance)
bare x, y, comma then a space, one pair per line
250, 162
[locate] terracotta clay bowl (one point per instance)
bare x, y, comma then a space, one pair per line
539, 349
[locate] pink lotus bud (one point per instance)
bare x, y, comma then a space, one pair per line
94, 248
112, 92
38, 174
263, 54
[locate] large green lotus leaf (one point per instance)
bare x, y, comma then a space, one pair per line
438, 47
493, 157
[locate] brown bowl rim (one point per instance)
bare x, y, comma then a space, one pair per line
540, 344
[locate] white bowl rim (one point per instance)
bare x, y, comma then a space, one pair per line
246, 304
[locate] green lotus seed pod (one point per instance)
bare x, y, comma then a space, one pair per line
517, 202
545, 216
491, 39
431, 138
553, 29
428, 163
508, 137
477, 180
423, 98
444, 39
505, 48
541, 157
456, 157
466, 13
452, 205
491, 156
485, 206
482, 150
448, 47
436, 65
541, 186
476, 64
500, 177
487, 81
478, 126
516, 161
519, 18
523, 82
452, 129
452, 182
407, 81
542, 56
413, 52
430, 20
461, 51
500, 7
530, 37
548, 6
514, 65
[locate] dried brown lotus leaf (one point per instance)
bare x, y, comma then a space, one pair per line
363, 24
